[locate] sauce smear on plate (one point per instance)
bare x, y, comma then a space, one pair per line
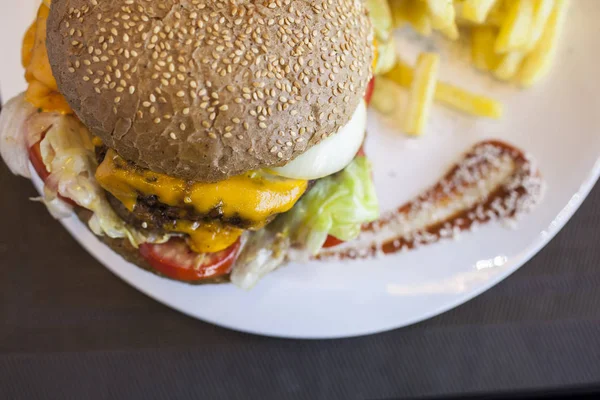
493, 181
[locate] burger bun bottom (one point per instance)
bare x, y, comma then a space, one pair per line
126, 250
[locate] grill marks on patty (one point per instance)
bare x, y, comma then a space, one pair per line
149, 213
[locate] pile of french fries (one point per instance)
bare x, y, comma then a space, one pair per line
514, 40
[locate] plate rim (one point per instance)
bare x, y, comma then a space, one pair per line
71, 224
563, 214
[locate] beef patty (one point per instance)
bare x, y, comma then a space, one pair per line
150, 214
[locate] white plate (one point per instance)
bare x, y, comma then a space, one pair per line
557, 122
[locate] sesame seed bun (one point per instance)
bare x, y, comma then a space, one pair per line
203, 90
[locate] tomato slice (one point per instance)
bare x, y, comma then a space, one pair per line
35, 157
361, 152
332, 241
176, 260
369, 91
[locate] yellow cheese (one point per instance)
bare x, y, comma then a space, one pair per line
253, 196
207, 237
375, 54
43, 90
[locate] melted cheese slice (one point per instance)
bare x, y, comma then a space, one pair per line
253, 197
206, 238
42, 91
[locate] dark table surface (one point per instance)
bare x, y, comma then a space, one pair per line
70, 329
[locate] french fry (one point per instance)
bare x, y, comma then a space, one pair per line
541, 13
461, 100
513, 39
482, 47
538, 62
515, 31
418, 16
451, 31
441, 11
509, 66
443, 17
386, 98
496, 15
477, 10
381, 16
450, 95
402, 74
400, 12
386, 57
422, 92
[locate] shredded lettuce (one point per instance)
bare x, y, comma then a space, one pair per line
13, 143
338, 205
69, 155
381, 18
263, 252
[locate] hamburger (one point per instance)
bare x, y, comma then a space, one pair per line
203, 141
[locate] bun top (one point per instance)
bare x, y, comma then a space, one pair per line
206, 89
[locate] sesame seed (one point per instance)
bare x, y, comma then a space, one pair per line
243, 46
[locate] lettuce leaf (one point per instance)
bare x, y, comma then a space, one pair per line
338, 205
69, 156
381, 18
13, 142
263, 252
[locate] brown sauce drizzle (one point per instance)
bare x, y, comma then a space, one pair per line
493, 181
